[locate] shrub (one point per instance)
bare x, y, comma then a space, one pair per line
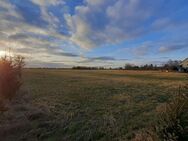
173, 119
10, 77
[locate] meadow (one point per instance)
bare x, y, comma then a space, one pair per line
87, 105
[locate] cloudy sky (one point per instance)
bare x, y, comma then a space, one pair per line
110, 33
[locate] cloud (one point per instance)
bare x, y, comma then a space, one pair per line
98, 59
66, 54
47, 16
142, 50
172, 47
44, 64
41, 46
46, 3
32, 41
8, 10
112, 21
101, 59
44, 29
104, 58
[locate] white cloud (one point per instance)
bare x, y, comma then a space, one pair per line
10, 10
109, 21
95, 23
172, 47
45, 3
31, 41
52, 20
141, 50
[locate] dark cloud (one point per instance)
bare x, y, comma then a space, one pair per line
18, 36
173, 47
106, 59
66, 54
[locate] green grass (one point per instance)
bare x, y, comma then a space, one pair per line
91, 105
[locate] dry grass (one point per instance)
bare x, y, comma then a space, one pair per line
90, 105
173, 118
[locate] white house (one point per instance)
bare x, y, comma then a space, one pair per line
184, 66
184, 63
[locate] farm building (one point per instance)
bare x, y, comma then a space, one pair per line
184, 65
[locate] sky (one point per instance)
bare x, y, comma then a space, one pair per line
108, 33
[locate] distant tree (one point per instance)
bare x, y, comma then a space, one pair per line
172, 65
101, 68
129, 66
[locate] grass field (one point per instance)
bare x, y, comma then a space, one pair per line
69, 105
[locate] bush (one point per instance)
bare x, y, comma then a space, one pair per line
173, 119
10, 77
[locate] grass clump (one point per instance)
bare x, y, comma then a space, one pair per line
146, 135
173, 119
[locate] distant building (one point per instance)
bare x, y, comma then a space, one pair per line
184, 65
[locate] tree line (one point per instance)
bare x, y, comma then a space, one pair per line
171, 65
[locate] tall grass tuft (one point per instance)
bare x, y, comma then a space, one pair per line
172, 123
10, 77
173, 119
146, 135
